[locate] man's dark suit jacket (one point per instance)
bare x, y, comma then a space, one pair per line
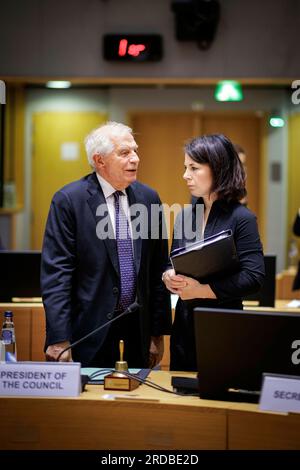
80, 277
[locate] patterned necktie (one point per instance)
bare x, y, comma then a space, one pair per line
126, 261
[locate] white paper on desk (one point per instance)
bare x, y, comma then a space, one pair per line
294, 303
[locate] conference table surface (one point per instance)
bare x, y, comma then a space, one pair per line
280, 305
144, 418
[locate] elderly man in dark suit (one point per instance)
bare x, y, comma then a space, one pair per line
91, 271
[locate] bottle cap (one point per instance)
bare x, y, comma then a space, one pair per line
8, 313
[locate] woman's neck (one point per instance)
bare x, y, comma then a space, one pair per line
209, 200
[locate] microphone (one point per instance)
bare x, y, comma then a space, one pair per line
129, 309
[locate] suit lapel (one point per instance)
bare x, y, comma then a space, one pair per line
97, 204
215, 219
210, 227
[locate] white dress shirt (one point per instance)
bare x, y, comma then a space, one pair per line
108, 191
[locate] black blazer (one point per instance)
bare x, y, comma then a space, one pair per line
248, 279
80, 277
296, 230
229, 288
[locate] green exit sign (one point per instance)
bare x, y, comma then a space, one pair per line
228, 90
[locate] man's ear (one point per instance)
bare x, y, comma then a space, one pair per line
98, 160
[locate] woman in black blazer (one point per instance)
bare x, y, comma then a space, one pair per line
296, 230
215, 176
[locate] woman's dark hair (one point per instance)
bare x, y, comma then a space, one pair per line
228, 173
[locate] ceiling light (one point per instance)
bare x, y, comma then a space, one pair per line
58, 84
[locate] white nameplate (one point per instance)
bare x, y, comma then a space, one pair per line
280, 393
40, 379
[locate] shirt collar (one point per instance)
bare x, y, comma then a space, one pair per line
107, 188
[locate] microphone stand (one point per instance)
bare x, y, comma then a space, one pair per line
129, 309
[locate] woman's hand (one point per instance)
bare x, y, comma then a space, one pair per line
173, 281
186, 287
195, 290
191, 290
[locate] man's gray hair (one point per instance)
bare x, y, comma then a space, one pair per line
100, 140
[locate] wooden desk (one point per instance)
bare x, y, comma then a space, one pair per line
30, 327
284, 283
171, 422
280, 306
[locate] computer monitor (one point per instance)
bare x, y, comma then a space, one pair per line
19, 275
265, 297
235, 347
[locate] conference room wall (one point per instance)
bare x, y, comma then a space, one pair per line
119, 102
254, 39
293, 174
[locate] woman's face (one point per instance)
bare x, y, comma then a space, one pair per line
198, 177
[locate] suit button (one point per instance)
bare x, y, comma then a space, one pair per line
109, 316
115, 290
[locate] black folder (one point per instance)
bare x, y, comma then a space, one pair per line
212, 255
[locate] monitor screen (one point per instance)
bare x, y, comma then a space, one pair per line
19, 275
235, 347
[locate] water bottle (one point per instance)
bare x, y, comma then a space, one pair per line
8, 335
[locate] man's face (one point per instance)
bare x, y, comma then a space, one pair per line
119, 167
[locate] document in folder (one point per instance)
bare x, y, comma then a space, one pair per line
212, 255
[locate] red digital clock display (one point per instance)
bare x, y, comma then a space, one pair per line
132, 47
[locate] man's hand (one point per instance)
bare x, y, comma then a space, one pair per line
156, 350
54, 350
